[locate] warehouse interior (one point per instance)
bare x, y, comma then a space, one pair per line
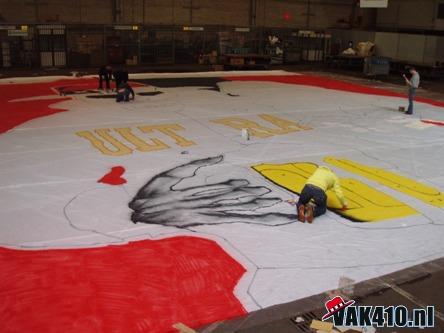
246, 166
83, 34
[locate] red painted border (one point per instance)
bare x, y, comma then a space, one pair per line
328, 83
433, 122
13, 113
143, 286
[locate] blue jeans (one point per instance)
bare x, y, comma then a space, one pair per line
311, 192
412, 92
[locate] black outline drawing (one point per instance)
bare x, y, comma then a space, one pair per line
230, 201
102, 96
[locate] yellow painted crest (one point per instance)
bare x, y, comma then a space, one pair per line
366, 204
425, 193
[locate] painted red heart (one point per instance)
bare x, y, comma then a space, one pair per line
114, 177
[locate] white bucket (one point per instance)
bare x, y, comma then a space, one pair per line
245, 133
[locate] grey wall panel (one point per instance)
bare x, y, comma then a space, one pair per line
270, 13
411, 48
417, 14
386, 44
430, 47
388, 16
415, 49
440, 50
408, 14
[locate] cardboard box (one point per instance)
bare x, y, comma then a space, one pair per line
218, 68
212, 59
320, 325
237, 61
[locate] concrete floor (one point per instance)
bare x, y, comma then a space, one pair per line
416, 287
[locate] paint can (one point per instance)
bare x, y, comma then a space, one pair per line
245, 134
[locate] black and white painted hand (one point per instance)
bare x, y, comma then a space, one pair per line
161, 201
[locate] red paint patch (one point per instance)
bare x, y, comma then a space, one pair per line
433, 122
85, 84
327, 83
80, 85
114, 177
13, 114
143, 286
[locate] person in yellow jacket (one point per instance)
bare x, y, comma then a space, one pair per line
322, 180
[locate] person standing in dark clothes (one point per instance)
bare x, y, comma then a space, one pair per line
125, 76
123, 92
105, 73
120, 76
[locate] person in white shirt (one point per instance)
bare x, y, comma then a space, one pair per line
413, 84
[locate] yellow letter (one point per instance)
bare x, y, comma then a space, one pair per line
287, 126
139, 143
100, 144
239, 123
169, 130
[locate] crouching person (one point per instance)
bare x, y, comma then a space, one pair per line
124, 91
322, 180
